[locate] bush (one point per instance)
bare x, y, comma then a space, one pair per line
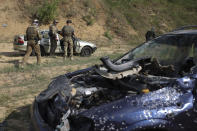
108, 35
88, 19
47, 11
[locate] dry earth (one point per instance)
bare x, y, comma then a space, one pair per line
13, 21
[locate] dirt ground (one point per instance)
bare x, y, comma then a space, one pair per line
19, 87
10, 57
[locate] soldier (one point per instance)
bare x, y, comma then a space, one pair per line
150, 34
53, 32
67, 33
33, 36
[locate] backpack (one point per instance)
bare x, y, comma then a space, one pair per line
31, 33
67, 31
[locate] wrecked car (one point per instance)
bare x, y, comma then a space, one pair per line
153, 86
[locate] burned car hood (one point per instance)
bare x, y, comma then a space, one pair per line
108, 98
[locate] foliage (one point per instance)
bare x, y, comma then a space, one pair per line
108, 35
164, 15
47, 11
88, 19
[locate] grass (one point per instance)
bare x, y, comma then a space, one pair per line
16, 98
47, 11
88, 19
6, 90
91, 12
56, 62
108, 35
141, 15
6, 8
23, 94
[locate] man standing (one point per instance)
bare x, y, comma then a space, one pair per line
53, 32
67, 33
150, 34
33, 36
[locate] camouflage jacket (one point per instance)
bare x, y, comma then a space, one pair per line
53, 30
67, 31
32, 33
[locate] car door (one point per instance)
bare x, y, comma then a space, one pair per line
59, 48
45, 41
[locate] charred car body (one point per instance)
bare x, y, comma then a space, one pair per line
151, 87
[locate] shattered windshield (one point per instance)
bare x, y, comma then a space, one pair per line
168, 49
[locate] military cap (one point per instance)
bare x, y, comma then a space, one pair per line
35, 21
69, 21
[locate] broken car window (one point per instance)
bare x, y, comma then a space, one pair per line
168, 49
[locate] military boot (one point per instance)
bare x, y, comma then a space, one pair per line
71, 58
64, 59
38, 60
22, 65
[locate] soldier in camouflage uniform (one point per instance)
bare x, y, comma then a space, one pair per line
67, 33
53, 32
33, 36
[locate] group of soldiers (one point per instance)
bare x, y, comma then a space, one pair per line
33, 36
67, 32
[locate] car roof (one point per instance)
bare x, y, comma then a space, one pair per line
182, 32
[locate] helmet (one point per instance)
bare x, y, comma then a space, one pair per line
35, 22
69, 21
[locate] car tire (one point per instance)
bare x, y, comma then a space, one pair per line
86, 51
42, 51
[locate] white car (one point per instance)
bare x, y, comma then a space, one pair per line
82, 48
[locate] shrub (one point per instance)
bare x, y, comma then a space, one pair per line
88, 19
47, 11
108, 35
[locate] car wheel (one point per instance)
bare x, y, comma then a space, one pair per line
42, 51
86, 51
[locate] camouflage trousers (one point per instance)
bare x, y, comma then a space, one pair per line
53, 46
68, 46
32, 45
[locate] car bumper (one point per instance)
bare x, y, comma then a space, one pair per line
37, 121
38, 124
19, 47
94, 49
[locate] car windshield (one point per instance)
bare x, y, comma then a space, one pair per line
168, 49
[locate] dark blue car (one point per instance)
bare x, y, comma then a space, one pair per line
152, 87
